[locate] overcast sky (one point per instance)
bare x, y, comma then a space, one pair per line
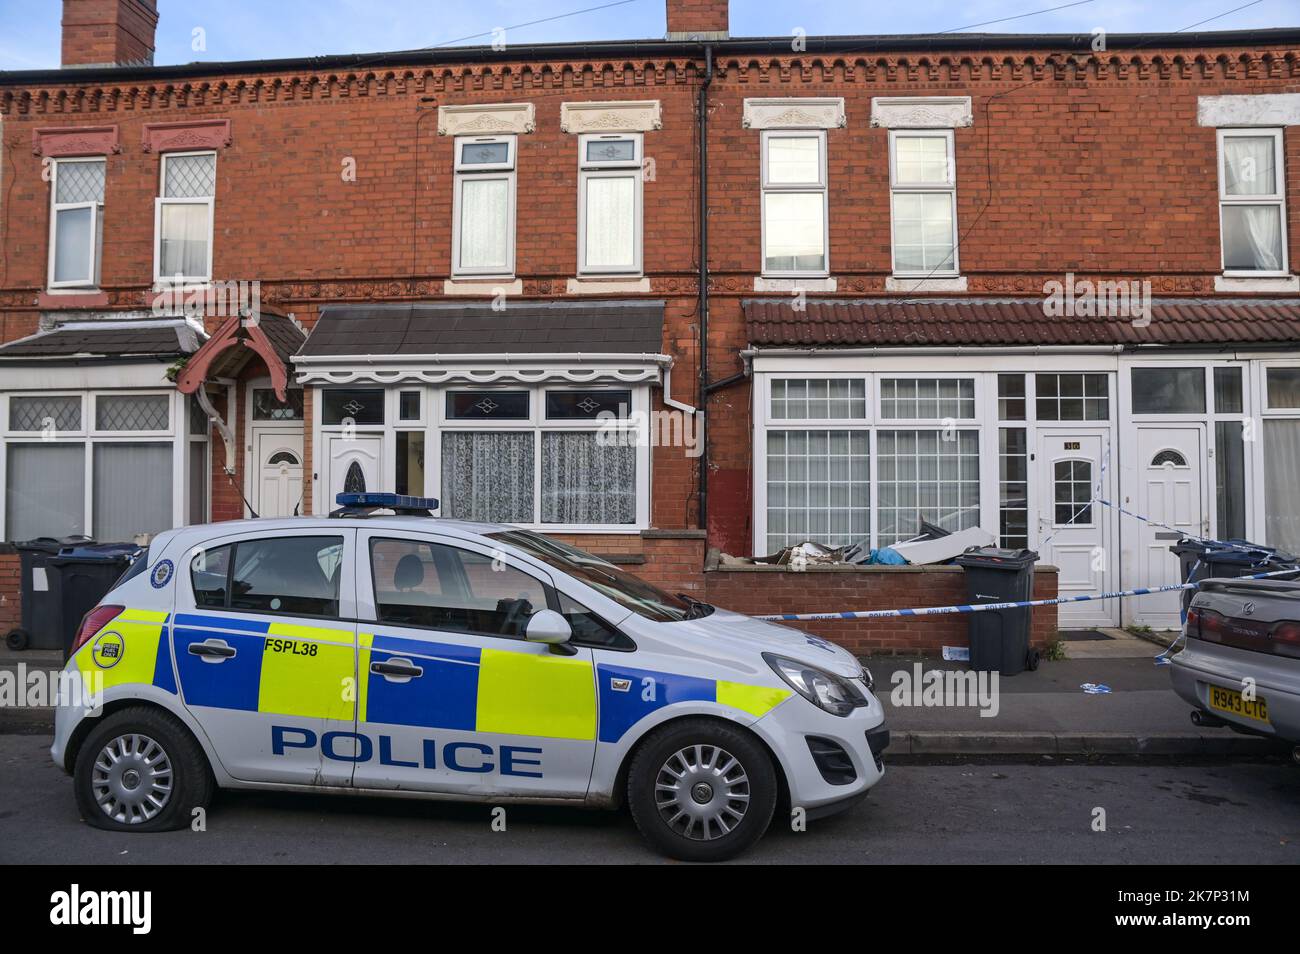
264, 29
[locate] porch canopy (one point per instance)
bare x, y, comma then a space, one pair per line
579, 342
271, 337
1015, 323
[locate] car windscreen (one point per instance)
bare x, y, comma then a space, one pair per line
622, 587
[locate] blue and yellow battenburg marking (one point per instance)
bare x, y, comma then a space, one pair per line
309, 671
628, 695
281, 668
479, 690
130, 650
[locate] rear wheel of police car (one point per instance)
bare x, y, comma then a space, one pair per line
141, 770
701, 790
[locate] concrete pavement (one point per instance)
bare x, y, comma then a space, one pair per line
1046, 713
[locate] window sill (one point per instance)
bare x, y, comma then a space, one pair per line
614, 285
72, 298
1241, 283
487, 287
901, 283
811, 284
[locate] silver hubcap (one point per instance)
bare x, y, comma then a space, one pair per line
702, 792
132, 779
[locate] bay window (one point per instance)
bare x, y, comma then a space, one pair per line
923, 202
831, 467
76, 223
1252, 202
551, 456
483, 213
794, 213
100, 464
609, 204
183, 217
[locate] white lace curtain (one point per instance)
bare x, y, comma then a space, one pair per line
1252, 234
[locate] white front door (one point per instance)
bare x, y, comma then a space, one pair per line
1073, 528
1170, 460
277, 491
353, 464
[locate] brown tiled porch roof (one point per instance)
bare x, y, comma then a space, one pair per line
1003, 322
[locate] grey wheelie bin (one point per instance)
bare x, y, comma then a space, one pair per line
999, 639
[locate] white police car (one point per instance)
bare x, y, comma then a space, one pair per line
411, 656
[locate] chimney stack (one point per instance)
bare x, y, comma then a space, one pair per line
698, 20
109, 32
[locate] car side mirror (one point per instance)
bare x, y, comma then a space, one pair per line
549, 627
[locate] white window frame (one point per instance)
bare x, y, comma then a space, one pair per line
92, 281
905, 188
88, 437
1277, 198
436, 422
161, 200
611, 169
495, 170
821, 186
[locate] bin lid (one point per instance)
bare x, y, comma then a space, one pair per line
98, 553
1197, 547
51, 545
998, 558
39, 545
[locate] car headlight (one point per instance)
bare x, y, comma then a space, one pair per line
825, 690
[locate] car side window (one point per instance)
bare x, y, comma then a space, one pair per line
590, 629
296, 576
436, 586
209, 575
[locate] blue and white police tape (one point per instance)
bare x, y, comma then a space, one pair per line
986, 607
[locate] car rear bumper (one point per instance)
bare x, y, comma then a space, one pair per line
1276, 680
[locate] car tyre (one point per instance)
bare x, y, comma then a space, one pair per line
140, 769
17, 639
702, 790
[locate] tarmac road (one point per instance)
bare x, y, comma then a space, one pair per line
1239, 812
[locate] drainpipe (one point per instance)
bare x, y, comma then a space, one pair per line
703, 309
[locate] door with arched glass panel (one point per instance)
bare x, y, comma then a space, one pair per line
1170, 490
1073, 529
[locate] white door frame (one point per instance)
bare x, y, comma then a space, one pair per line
1043, 502
253, 466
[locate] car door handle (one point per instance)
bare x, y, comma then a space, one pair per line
396, 669
212, 650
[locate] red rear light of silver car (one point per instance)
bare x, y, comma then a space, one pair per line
92, 623
1286, 638
1281, 638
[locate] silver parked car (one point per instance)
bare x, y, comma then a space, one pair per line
1241, 664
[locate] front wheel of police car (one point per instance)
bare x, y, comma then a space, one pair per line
140, 770
700, 790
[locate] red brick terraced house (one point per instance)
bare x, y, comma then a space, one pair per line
1010, 281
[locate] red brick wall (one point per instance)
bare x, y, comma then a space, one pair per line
698, 16
11, 606
769, 590
99, 32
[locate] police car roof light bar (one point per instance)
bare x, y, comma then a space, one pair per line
364, 504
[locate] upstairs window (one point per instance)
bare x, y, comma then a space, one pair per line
609, 204
483, 241
1252, 204
923, 185
183, 215
795, 235
76, 223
